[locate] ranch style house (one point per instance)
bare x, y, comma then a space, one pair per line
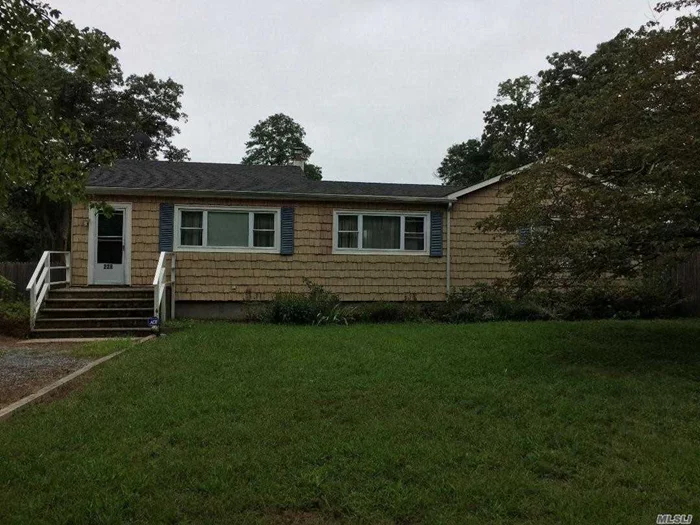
202, 239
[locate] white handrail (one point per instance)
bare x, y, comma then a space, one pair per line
161, 264
41, 282
160, 285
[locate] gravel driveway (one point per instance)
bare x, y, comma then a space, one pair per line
26, 368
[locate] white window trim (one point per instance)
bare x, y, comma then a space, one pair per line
391, 213
225, 249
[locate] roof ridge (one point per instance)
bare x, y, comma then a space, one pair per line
149, 176
389, 183
201, 163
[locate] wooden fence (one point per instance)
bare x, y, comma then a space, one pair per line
687, 277
18, 273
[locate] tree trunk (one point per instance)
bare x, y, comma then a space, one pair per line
65, 226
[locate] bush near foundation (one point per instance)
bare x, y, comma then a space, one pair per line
648, 298
485, 302
385, 312
641, 299
316, 306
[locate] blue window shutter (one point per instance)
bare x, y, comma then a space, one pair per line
436, 234
287, 233
523, 236
165, 236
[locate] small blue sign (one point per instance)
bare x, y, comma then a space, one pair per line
153, 321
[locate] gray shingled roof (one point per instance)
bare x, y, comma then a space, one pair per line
152, 176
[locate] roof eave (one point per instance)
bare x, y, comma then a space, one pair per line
106, 190
471, 189
488, 182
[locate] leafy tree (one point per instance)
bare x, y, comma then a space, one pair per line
67, 119
21, 237
564, 74
619, 196
556, 82
134, 118
508, 126
312, 171
507, 142
37, 145
465, 164
516, 131
275, 141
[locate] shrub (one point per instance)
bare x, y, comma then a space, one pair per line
633, 299
385, 312
7, 288
289, 308
316, 306
337, 315
484, 302
14, 318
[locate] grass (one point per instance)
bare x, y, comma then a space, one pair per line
97, 349
591, 422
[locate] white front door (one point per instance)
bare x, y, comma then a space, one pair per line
110, 246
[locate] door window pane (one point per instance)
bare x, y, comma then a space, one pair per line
110, 226
381, 233
110, 232
109, 251
227, 228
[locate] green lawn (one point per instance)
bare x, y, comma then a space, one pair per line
590, 422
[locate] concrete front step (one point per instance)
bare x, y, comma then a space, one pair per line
54, 302
56, 333
106, 293
93, 322
63, 313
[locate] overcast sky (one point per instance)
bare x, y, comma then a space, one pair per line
382, 87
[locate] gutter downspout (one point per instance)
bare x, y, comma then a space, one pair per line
449, 258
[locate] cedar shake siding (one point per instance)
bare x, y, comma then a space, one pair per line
216, 276
476, 254
207, 276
